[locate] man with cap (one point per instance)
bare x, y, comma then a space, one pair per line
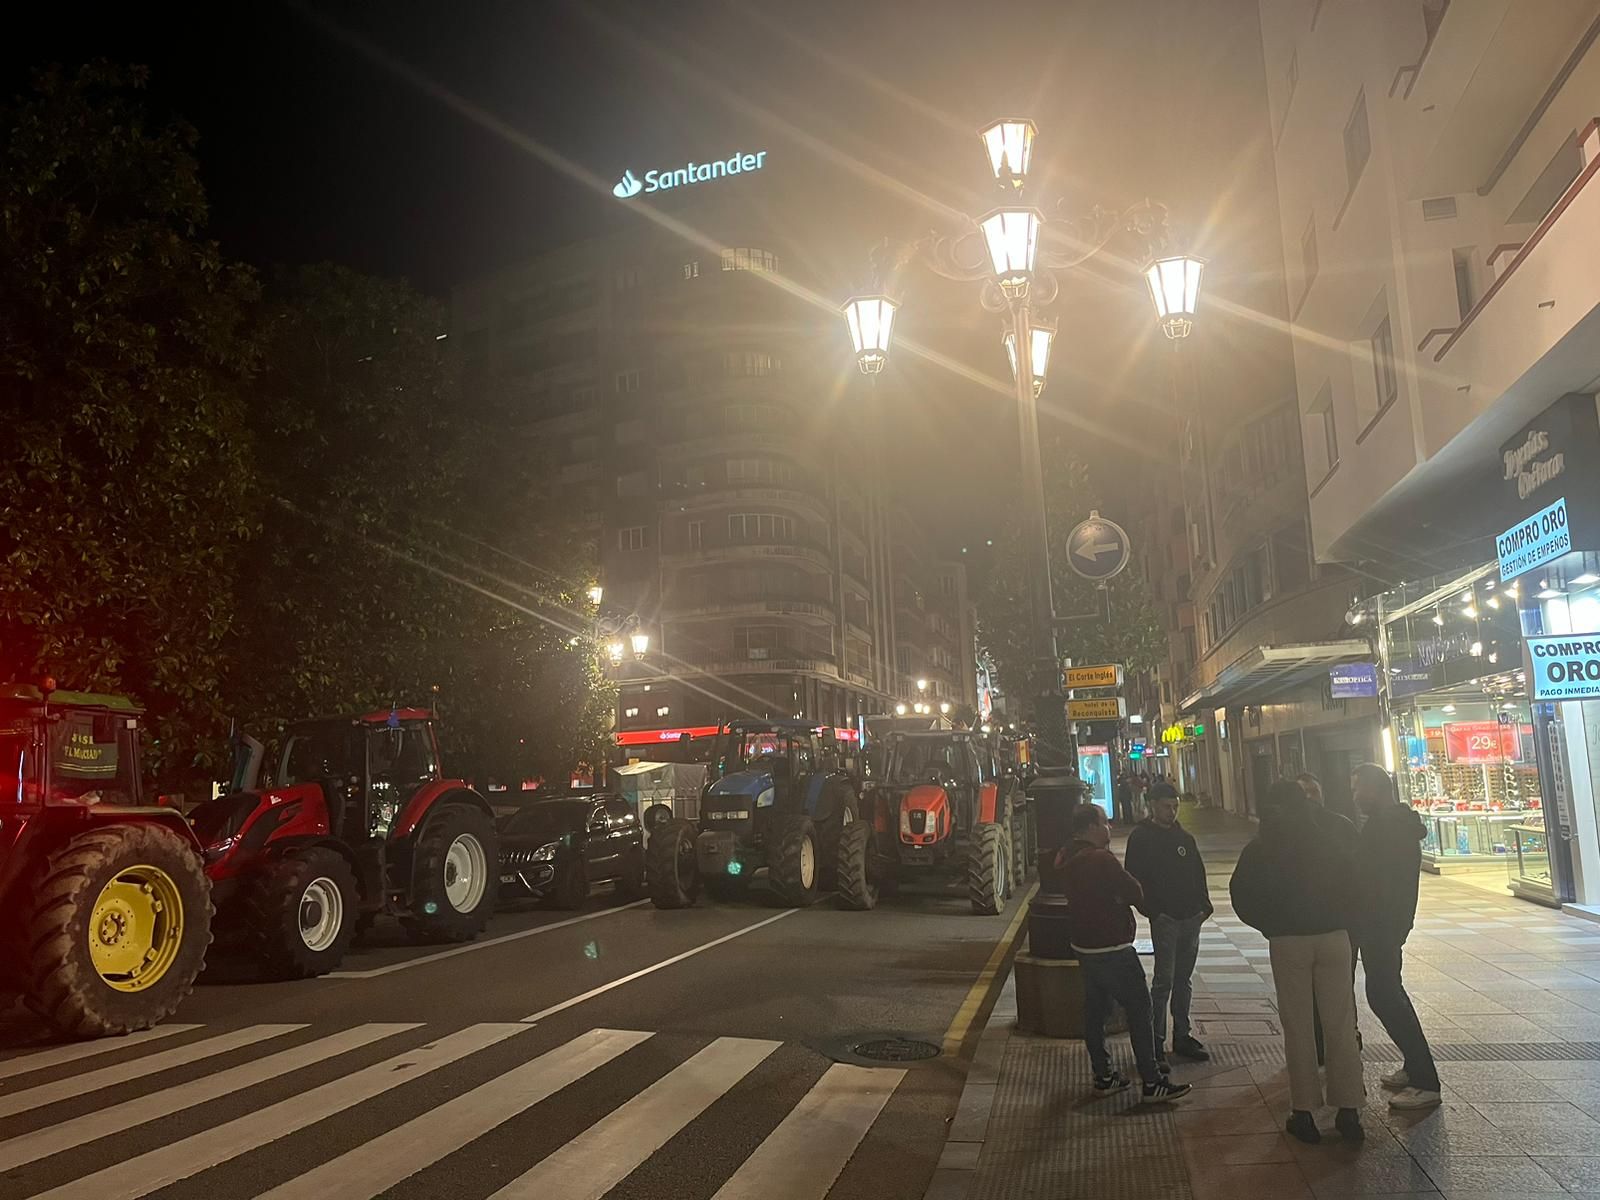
1163, 857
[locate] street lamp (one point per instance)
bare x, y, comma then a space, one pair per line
1175, 289
641, 643
922, 685
1042, 333
900, 710
1012, 236
871, 320
596, 594
614, 651
1009, 144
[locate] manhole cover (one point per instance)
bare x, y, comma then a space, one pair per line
896, 1050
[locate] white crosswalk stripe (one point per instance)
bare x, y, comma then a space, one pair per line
40, 1060
802, 1158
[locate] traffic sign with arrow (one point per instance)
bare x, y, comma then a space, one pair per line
1097, 548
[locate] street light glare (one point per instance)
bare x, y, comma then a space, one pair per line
1175, 289
1042, 335
641, 644
1009, 143
596, 594
871, 321
1012, 235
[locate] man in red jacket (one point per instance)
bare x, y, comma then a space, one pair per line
1100, 900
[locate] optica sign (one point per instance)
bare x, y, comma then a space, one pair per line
666, 178
1564, 666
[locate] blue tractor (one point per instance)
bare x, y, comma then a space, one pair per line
778, 799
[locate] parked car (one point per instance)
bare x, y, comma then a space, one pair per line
556, 849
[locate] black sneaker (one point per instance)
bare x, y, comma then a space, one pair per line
1104, 1085
1159, 1093
1303, 1125
1187, 1047
1348, 1123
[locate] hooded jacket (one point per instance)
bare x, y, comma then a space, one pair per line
1166, 862
1389, 861
1297, 877
1100, 899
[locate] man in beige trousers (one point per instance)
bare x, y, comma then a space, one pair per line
1296, 886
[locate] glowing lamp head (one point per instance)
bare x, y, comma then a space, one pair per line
641, 643
1009, 144
1012, 236
1041, 335
596, 594
944, 706
871, 321
922, 685
615, 651
1175, 290
899, 710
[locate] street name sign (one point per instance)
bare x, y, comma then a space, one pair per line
1111, 708
1097, 548
1108, 675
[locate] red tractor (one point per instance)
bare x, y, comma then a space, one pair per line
109, 910
358, 821
943, 806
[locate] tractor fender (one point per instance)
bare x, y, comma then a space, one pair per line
988, 802
288, 814
455, 791
816, 786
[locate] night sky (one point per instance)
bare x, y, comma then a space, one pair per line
439, 141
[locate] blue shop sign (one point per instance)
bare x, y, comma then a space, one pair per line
1349, 681
1535, 541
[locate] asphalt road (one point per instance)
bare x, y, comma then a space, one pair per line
618, 1052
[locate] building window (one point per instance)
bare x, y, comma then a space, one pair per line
759, 470
630, 433
1357, 143
585, 397
630, 712
629, 381
760, 527
691, 269
739, 364
626, 281
697, 535
1309, 263
754, 641
664, 710
1383, 372
742, 258
633, 484
1322, 411
1466, 294
631, 537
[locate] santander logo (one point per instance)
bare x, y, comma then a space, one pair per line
627, 187
666, 178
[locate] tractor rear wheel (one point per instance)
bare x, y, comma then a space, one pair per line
858, 889
671, 870
792, 861
116, 931
988, 869
301, 913
452, 883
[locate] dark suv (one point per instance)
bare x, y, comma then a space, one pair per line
557, 848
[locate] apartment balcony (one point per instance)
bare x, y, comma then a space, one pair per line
710, 439
811, 611
772, 665
809, 554
740, 496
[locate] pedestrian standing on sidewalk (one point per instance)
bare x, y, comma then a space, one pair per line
1101, 897
1122, 800
1390, 863
1297, 887
1163, 857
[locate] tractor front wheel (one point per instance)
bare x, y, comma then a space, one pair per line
857, 887
301, 912
988, 869
671, 871
116, 931
792, 861
452, 888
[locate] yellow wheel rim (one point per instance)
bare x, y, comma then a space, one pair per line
136, 928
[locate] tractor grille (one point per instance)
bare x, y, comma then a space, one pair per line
919, 820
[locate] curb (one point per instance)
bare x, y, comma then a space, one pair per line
958, 1163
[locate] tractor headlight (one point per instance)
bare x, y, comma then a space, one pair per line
545, 852
767, 798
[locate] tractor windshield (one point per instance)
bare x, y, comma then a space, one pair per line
323, 751
742, 750
93, 759
923, 760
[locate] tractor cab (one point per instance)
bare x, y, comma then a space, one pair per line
375, 763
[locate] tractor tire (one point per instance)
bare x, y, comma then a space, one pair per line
572, 887
843, 804
793, 866
631, 883
301, 913
988, 869
671, 870
656, 816
453, 880
858, 888
82, 971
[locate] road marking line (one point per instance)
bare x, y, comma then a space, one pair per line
961, 1025
68, 1135
603, 1155
640, 974
138, 1068
40, 1060
801, 1158
376, 972
149, 1172
399, 1154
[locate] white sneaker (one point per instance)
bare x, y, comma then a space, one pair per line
1396, 1080
1415, 1098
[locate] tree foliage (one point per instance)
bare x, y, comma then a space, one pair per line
1130, 635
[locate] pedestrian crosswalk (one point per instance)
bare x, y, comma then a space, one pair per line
321, 1092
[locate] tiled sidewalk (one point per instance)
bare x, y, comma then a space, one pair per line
1508, 992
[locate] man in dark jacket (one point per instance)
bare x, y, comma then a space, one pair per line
1163, 857
1389, 864
1100, 899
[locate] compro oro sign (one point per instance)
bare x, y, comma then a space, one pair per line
665, 179
1535, 541
1564, 666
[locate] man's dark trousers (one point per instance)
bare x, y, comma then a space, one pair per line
1387, 997
1117, 977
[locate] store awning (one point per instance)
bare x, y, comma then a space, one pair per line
1265, 671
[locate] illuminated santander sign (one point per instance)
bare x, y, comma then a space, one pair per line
738, 163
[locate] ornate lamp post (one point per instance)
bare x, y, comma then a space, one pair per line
1008, 253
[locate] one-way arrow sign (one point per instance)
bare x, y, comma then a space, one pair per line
1097, 548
